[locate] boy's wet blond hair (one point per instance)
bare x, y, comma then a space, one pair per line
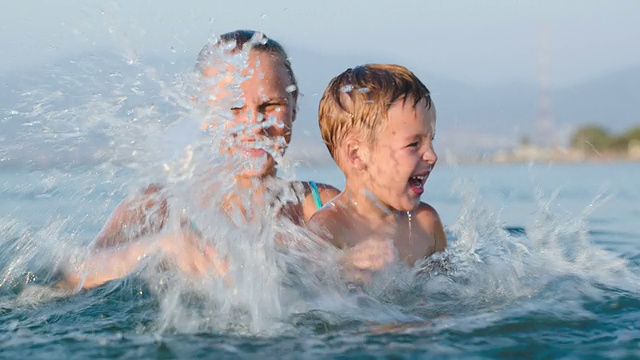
358, 100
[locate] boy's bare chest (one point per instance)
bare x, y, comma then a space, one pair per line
412, 243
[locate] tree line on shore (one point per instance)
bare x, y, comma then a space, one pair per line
599, 138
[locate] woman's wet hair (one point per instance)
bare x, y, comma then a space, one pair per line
247, 40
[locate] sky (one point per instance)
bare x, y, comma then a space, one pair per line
477, 42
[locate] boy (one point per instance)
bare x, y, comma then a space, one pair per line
378, 122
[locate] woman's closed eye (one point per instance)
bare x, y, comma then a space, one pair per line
272, 106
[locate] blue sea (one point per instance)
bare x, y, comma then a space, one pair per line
543, 262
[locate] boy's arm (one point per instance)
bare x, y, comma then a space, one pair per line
429, 220
439, 236
132, 219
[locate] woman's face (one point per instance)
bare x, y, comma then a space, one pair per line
260, 125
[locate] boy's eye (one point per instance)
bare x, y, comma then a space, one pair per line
413, 144
236, 110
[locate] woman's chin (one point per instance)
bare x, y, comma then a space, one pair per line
251, 163
251, 174
257, 169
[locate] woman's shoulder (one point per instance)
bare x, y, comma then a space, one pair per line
313, 196
325, 192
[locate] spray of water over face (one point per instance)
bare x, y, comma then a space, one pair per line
179, 142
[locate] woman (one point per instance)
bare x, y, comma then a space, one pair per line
259, 130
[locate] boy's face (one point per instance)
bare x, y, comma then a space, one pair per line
402, 155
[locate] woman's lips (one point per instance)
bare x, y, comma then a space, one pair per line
248, 150
254, 152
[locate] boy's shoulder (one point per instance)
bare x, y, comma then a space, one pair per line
426, 212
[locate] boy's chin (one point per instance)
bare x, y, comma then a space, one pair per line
409, 205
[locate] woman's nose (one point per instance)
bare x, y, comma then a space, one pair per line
251, 119
255, 120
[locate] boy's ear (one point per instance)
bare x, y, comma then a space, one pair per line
354, 153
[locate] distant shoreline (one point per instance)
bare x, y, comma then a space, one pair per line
533, 154
520, 155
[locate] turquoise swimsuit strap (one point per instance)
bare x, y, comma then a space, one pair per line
316, 194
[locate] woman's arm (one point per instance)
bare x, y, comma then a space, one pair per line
182, 248
132, 219
103, 265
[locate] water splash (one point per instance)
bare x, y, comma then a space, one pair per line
131, 126
550, 267
140, 127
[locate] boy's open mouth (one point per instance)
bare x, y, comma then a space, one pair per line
417, 183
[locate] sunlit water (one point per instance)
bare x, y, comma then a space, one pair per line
542, 259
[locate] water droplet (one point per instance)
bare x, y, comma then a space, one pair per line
346, 88
409, 221
291, 88
172, 49
12, 325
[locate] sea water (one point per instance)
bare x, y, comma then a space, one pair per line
543, 262
542, 259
